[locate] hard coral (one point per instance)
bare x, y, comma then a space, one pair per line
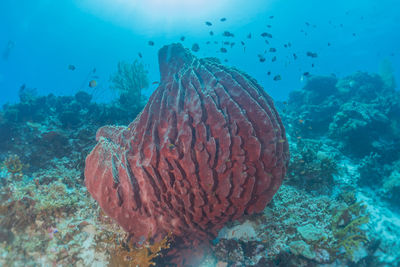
143, 256
14, 165
346, 229
312, 166
208, 147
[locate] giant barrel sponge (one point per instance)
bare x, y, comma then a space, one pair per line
208, 147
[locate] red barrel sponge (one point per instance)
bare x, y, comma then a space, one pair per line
208, 148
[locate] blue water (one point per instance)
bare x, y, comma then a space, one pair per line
47, 36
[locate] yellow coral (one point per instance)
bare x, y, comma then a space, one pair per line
346, 228
143, 256
13, 164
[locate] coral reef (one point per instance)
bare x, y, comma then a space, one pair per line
338, 207
208, 147
14, 165
313, 165
143, 256
346, 227
359, 112
55, 127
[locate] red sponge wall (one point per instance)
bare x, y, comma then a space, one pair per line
208, 147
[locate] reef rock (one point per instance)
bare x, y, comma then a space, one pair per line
208, 147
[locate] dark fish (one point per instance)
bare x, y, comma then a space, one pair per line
195, 47
277, 78
312, 65
228, 34
354, 34
271, 17
268, 73
208, 23
208, 42
249, 36
261, 58
223, 19
151, 43
266, 41
92, 83
242, 42
329, 44
285, 45
140, 55
226, 43
232, 44
308, 24
269, 26
311, 54
155, 82
272, 50
182, 38
306, 74
71, 67
211, 33
8, 49
266, 34
225, 60
223, 50
294, 56
273, 59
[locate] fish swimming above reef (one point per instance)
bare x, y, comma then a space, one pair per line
222, 19
71, 67
92, 84
266, 34
8, 49
195, 47
311, 54
151, 43
228, 34
208, 23
277, 78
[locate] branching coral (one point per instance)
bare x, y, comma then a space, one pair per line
346, 228
129, 81
126, 254
14, 165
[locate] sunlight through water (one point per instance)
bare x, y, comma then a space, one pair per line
156, 16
